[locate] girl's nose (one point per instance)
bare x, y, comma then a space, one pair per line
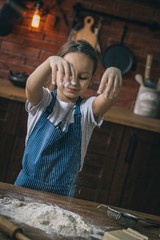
74, 81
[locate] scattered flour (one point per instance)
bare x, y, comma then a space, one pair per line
49, 218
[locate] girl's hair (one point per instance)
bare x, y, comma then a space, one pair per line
80, 46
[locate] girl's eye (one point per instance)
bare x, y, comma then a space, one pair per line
83, 78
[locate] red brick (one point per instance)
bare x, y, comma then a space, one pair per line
107, 4
132, 104
14, 58
4, 74
85, 4
17, 38
20, 49
45, 54
143, 40
131, 27
123, 103
135, 9
14, 67
40, 44
27, 32
154, 51
89, 93
56, 37
33, 62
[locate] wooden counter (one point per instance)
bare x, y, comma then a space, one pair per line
88, 210
115, 114
125, 117
9, 91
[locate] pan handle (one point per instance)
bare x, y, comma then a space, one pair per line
125, 29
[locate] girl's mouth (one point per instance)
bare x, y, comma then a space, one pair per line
72, 89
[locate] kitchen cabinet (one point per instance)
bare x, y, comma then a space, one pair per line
122, 168
12, 134
122, 164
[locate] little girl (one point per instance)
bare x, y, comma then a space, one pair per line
60, 122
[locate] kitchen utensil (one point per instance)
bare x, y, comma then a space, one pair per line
150, 84
147, 78
9, 15
75, 26
147, 102
86, 33
118, 55
96, 31
158, 85
139, 79
18, 79
58, 3
148, 66
11, 229
127, 219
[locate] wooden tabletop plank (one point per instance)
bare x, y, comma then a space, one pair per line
88, 210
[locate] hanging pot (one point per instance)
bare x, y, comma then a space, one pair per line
9, 14
118, 56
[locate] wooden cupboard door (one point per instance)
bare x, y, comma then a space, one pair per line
9, 112
127, 144
13, 122
122, 168
142, 184
4, 103
95, 179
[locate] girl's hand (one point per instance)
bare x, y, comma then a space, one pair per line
110, 83
62, 70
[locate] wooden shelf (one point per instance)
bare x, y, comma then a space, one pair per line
128, 118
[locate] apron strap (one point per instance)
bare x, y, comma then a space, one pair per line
77, 110
49, 109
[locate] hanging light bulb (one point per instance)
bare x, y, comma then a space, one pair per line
36, 17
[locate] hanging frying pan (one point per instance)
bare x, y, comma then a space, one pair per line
9, 15
118, 55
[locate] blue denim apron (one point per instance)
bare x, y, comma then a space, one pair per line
52, 157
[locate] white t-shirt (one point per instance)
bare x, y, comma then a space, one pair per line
64, 112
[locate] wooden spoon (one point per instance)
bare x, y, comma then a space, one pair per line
158, 85
139, 79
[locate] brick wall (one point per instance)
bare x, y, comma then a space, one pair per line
24, 49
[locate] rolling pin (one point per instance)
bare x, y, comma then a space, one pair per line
11, 229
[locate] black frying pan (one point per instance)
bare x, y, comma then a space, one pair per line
9, 15
118, 56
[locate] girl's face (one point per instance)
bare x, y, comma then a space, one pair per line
83, 67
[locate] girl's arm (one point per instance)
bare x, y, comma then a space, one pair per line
36, 81
109, 89
49, 68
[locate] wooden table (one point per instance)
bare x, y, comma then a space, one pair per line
88, 210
